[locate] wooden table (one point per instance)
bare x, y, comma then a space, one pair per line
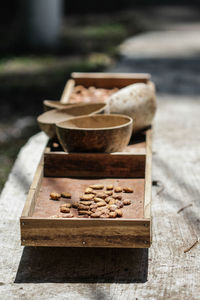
165, 271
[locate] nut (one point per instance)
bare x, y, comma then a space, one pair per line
84, 212
112, 214
104, 216
75, 204
97, 186
66, 195
86, 202
88, 190
127, 202
127, 190
119, 212
119, 204
55, 196
101, 195
87, 197
66, 205
109, 193
67, 216
112, 207
112, 201
119, 197
83, 207
99, 204
96, 199
118, 189
96, 214
109, 187
64, 209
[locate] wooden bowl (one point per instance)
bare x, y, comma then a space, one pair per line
52, 104
97, 133
48, 119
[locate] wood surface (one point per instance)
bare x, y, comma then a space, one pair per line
161, 272
101, 165
85, 233
148, 171
109, 80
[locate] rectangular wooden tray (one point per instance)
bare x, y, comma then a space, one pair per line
62, 171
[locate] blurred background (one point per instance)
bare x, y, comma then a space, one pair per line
42, 42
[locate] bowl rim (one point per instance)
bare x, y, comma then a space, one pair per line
63, 110
129, 122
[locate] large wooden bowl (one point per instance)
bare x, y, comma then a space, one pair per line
97, 133
48, 119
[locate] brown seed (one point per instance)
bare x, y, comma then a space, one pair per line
109, 193
119, 204
119, 197
67, 216
96, 199
83, 207
101, 195
112, 214
87, 197
88, 190
112, 207
112, 201
95, 215
127, 190
84, 212
127, 202
66, 205
86, 202
109, 187
75, 204
66, 195
55, 196
118, 189
119, 212
97, 186
64, 209
99, 204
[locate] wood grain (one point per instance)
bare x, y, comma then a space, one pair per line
101, 165
109, 80
85, 233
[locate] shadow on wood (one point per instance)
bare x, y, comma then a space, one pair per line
82, 265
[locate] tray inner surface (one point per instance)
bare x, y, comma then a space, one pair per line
45, 208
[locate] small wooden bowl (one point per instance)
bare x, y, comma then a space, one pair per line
48, 119
97, 133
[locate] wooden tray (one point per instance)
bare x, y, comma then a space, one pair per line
60, 171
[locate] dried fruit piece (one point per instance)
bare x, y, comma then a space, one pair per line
119, 197
88, 190
97, 186
87, 197
84, 212
83, 207
119, 212
112, 214
75, 204
101, 195
112, 201
55, 196
64, 209
109, 187
66, 195
108, 193
118, 189
127, 190
127, 202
